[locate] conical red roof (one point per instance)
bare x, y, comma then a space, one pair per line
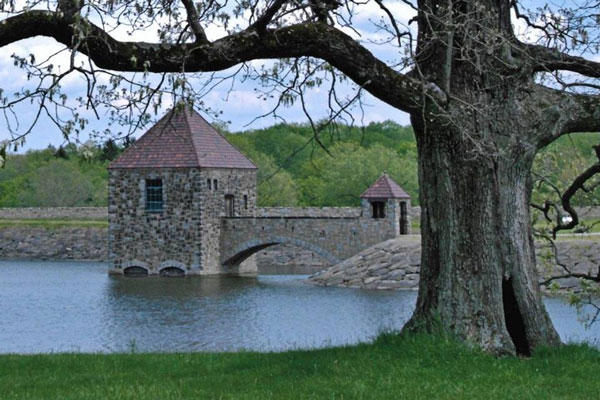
182, 139
385, 188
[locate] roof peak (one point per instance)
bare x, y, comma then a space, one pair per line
182, 138
384, 188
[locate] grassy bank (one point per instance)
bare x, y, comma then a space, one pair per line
391, 368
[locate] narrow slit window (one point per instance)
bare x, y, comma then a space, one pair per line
245, 202
209, 184
215, 184
154, 195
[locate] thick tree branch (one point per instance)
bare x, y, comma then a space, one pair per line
548, 60
194, 21
308, 39
261, 23
563, 113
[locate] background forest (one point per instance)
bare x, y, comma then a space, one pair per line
294, 170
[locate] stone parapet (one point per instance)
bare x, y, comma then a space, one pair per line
320, 212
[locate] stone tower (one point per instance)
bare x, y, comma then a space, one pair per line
385, 199
168, 192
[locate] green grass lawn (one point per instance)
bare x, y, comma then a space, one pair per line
394, 367
54, 223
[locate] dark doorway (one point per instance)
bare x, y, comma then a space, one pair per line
229, 205
403, 218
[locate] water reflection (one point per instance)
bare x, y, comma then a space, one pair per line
77, 307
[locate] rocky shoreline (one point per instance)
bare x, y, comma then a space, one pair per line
395, 264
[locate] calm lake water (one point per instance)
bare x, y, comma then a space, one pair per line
76, 306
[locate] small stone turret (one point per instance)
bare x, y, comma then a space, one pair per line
385, 199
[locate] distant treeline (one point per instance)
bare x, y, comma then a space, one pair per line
296, 168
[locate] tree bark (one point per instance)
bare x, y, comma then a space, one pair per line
478, 275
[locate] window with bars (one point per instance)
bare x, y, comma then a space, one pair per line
154, 195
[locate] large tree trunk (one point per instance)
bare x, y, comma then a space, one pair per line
478, 275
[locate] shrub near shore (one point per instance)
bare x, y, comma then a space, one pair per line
392, 367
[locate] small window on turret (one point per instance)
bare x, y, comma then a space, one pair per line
378, 208
215, 184
209, 184
245, 202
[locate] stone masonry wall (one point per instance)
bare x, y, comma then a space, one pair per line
153, 240
235, 182
185, 234
332, 238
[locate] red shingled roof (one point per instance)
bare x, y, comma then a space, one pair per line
182, 139
385, 188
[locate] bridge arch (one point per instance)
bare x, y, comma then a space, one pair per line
248, 248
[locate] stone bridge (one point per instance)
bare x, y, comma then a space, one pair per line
333, 238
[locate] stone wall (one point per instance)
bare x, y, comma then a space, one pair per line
287, 259
588, 212
329, 212
395, 264
333, 238
65, 243
100, 213
233, 182
141, 238
185, 234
